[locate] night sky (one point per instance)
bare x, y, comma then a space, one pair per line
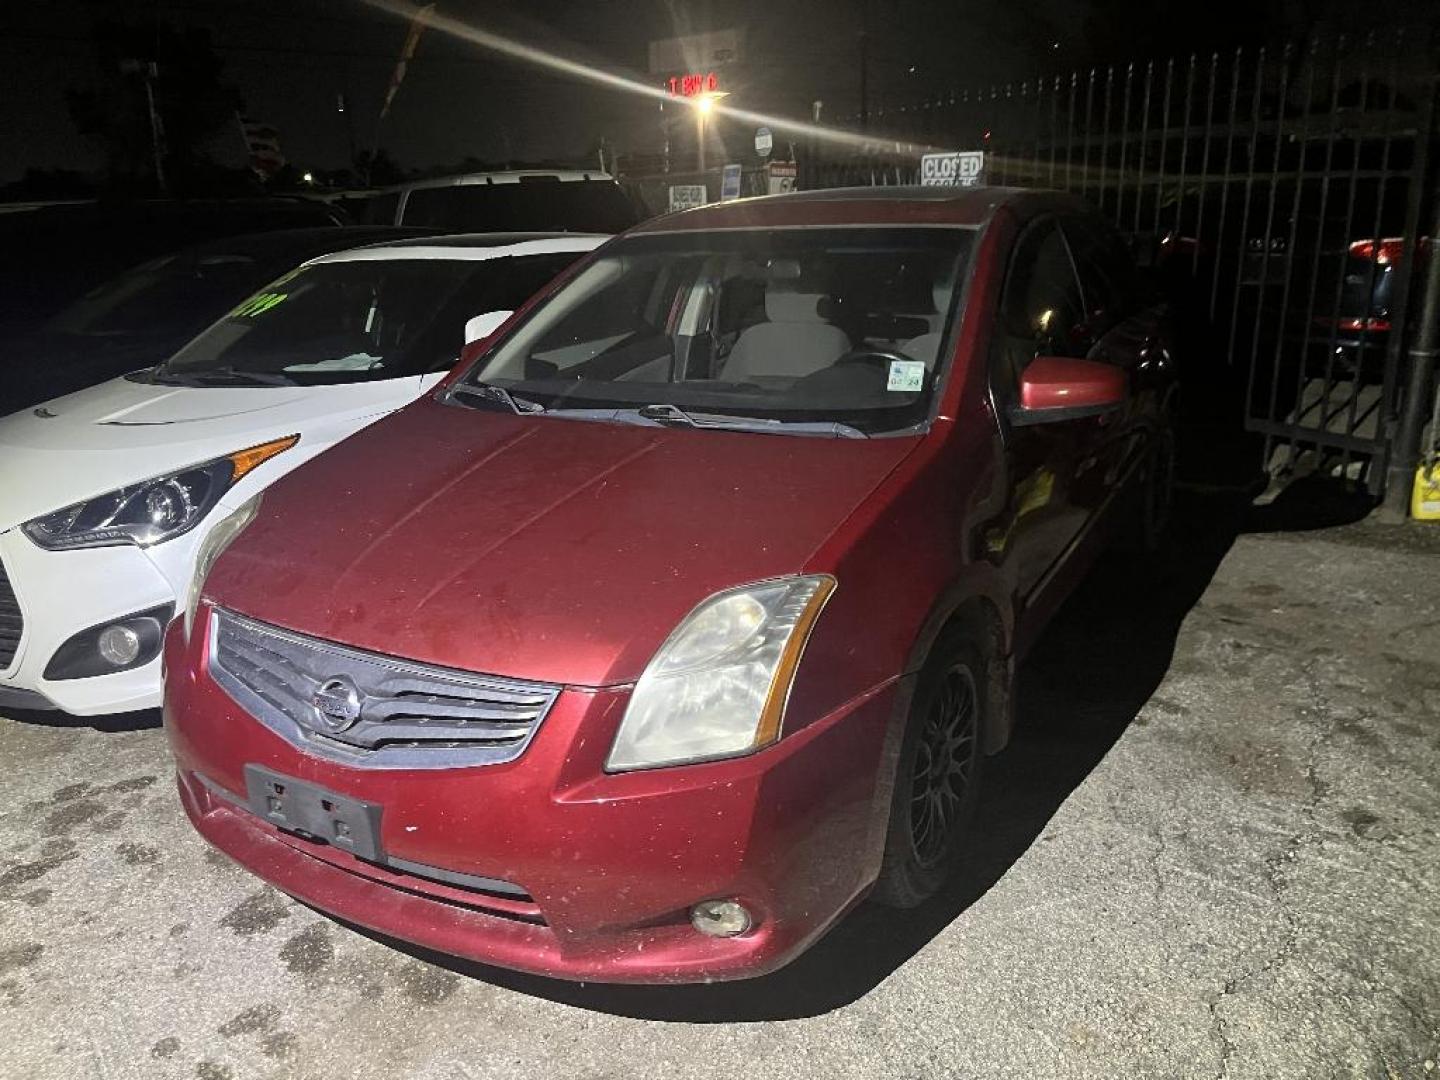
291, 59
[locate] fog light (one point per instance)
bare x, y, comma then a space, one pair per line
116, 645
720, 918
119, 645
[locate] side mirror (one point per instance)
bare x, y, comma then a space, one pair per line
479, 330
482, 326
1056, 388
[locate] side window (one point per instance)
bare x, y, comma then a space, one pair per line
1107, 273
381, 209
496, 285
512, 281
429, 206
1041, 309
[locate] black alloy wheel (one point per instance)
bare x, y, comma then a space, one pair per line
943, 767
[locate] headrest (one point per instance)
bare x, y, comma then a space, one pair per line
783, 270
784, 306
940, 296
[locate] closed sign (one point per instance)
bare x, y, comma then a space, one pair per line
963, 169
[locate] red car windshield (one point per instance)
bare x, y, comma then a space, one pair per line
838, 325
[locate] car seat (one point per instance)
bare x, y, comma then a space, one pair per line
926, 347
795, 342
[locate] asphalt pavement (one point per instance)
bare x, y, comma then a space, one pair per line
1212, 851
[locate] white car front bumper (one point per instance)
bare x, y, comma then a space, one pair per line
61, 593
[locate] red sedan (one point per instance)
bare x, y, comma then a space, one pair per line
682, 618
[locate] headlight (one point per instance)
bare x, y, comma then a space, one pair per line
153, 511
717, 687
211, 548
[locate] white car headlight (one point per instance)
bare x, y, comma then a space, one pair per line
211, 548
151, 511
717, 687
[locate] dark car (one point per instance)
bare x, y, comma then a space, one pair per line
141, 317
58, 252
684, 618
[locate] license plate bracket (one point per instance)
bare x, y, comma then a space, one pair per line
310, 811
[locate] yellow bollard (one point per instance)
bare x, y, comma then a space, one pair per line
1425, 499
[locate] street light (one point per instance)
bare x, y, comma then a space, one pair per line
704, 105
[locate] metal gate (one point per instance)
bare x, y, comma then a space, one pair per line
1279, 192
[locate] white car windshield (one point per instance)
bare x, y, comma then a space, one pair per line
840, 326
351, 321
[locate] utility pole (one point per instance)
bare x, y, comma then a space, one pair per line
864, 65
1423, 352
1424, 343
150, 71
157, 129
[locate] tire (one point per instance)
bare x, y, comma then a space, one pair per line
937, 779
1149, 528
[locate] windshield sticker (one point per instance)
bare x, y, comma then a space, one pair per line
907, 376
258, 305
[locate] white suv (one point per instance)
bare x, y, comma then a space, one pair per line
571, 200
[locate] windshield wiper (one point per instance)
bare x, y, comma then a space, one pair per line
210, 376
490, 392
664, 413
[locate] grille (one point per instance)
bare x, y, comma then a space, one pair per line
369, 710
12, 623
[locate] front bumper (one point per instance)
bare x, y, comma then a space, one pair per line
61, 593
609, 865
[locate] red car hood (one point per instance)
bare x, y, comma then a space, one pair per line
540, 548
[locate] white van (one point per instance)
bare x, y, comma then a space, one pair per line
569, 200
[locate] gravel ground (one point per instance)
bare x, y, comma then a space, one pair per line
1212, 851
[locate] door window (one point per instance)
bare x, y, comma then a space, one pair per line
1042, 312
1107, 273
502, 284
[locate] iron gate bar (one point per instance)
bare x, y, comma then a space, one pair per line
1371, 275
1205, 163
1105, 124
1317, 435
1225, 189
1039, 102
1295, 203
1266, 248
1307, 327
1164, 141
1124, 140
1070, 130
1178, 228
1245, 213
1351, 192
1054, 126
1410, 410
1144, 146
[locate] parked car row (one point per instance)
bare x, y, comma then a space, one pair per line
618, 610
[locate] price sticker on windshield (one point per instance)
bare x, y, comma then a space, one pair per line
907, 376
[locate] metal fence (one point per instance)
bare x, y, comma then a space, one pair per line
1279, 191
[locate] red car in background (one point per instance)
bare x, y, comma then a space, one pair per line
682, 618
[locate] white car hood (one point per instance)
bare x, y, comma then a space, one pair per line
122, 432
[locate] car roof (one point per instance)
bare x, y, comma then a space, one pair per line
878, 206
306, 243
471, 247
505, 176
